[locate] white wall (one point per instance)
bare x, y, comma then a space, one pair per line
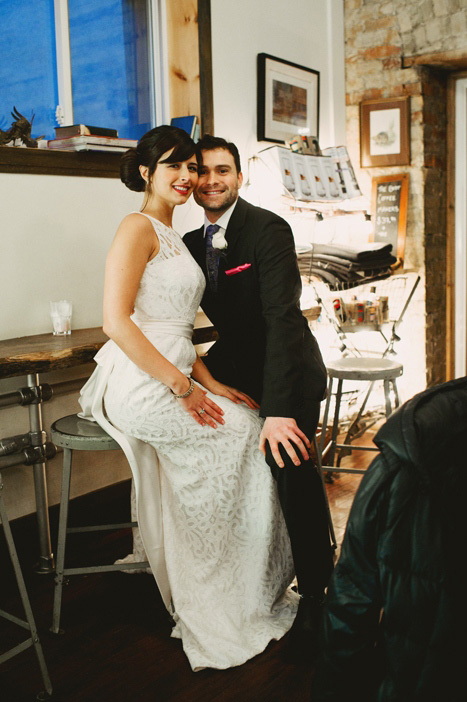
55, 230
307, 32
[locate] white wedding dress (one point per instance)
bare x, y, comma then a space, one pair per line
207, 505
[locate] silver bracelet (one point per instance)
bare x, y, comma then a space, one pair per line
188, 392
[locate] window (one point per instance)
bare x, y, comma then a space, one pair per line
28, 71
87, 62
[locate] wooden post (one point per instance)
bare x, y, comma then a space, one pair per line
183, 48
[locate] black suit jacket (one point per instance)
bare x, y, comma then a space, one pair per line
265, 346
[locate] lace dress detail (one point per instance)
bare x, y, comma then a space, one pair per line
226, 549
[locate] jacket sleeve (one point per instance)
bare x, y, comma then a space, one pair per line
349, 664
280, 290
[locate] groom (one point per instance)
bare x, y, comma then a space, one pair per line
266, 350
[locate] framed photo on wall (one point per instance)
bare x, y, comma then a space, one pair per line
385, 132
288, 99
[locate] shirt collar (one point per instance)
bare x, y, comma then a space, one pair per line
223, 220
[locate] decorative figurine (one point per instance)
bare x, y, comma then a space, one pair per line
20, 130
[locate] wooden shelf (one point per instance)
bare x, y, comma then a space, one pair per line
93, 164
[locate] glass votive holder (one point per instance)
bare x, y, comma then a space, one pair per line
60, 313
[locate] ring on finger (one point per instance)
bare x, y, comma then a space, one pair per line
202, 410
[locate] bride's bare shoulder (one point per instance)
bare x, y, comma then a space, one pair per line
137, 231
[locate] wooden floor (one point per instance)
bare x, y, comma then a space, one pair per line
117, 644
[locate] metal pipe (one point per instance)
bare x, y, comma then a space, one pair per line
10, 398
29, 455
46, 560
69, 386
18, 397
15, 459
22, 396
13, 444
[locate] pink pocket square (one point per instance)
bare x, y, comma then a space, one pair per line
238, 269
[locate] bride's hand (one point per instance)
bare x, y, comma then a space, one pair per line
202, 408
233, 394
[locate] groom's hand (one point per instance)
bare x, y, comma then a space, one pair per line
284, 430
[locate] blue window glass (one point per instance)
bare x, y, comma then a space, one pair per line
110, 65
28, 74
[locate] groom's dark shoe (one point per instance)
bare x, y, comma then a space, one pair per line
303, 639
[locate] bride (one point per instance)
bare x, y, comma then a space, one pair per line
206, 502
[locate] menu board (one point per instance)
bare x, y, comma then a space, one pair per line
389, 211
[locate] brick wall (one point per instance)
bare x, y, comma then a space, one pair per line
378, 35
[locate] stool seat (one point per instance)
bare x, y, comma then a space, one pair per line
364, 369
356, 369
75, 432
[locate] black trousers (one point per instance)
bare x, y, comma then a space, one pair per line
303, 505
300, 492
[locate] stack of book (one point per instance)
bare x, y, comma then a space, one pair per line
80, 137
189, 124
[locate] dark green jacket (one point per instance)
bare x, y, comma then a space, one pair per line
395, 619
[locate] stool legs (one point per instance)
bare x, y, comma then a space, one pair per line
30, 622
335, 424
320, 472
346, 446
325, 418
396, 394
62, 531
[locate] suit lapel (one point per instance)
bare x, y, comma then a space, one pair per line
236, 222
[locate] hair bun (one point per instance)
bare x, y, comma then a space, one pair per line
129, 171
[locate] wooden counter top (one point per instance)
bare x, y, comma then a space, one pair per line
42, 353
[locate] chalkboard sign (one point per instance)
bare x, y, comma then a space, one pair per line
389, 211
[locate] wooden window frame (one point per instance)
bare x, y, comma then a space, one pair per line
99, 164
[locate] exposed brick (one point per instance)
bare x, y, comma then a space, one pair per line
412, 88
373, 25
393, 62
420, 36
387, 8
405, 23
426, 10
441, 7
459, 23
371, 94
373, 64
381, 51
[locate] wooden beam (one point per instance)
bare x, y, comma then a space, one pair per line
455, 60
205, 67
183, 48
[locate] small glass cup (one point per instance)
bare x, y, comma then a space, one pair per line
60, 312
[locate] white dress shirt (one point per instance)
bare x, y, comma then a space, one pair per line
223, 220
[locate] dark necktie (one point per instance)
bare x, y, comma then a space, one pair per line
212, 256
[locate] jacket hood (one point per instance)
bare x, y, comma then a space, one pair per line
427, 432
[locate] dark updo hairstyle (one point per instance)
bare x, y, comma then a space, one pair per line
149, 150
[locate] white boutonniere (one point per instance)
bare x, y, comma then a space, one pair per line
219, 241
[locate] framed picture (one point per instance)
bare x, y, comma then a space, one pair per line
384, 132
288, 99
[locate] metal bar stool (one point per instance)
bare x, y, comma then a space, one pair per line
365, 369
73, 433
29, 624
319, 468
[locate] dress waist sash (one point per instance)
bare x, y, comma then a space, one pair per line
176, 327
